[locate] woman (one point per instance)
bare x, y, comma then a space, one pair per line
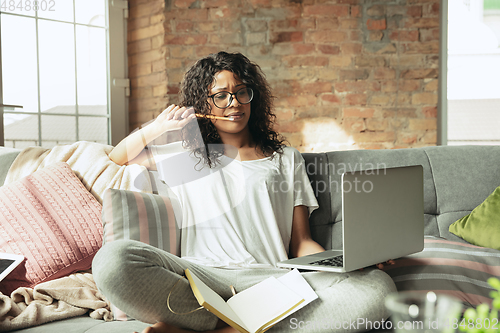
245, 201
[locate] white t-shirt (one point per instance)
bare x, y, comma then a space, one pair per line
238, 214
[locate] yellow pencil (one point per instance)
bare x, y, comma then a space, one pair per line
211, 116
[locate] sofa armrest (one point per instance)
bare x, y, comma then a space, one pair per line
7, 156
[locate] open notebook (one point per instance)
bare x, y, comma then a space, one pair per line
259, 307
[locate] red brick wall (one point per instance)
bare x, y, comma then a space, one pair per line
347, 73
146, 60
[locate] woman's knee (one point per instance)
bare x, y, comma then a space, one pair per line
373, 287
112, 262
127, 260
383, 283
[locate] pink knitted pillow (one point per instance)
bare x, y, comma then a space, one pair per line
52, 220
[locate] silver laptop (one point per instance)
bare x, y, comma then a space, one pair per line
382, 219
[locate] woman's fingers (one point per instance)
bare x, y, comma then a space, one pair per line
187, 116
165, 112
388, 262
187, 112
171, 113
168, 113
178, 113
187, 119
175, 117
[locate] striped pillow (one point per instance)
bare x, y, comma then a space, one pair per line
144, 217
448, 267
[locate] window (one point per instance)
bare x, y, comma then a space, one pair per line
62, 77
470, 96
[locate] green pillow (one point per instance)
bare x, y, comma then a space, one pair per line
482, 226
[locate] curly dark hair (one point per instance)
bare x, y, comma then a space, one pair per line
195, 91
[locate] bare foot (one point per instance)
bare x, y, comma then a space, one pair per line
166, 328
163, 328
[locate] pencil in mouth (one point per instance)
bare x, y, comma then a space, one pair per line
211, 116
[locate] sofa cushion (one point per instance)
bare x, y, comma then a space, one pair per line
482, 226
144, 217
448, 267
52, 220
86, 324
464, 176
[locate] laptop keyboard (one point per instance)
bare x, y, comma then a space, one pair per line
337, 261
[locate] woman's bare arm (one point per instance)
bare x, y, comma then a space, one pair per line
131, 149
302, 243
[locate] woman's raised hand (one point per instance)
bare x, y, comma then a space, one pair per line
174, 118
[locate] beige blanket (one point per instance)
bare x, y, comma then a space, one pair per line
73, 295
89, 161
67, 297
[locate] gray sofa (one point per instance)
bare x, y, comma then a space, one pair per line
456, 180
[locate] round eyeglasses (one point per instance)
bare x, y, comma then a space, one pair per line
223, 99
